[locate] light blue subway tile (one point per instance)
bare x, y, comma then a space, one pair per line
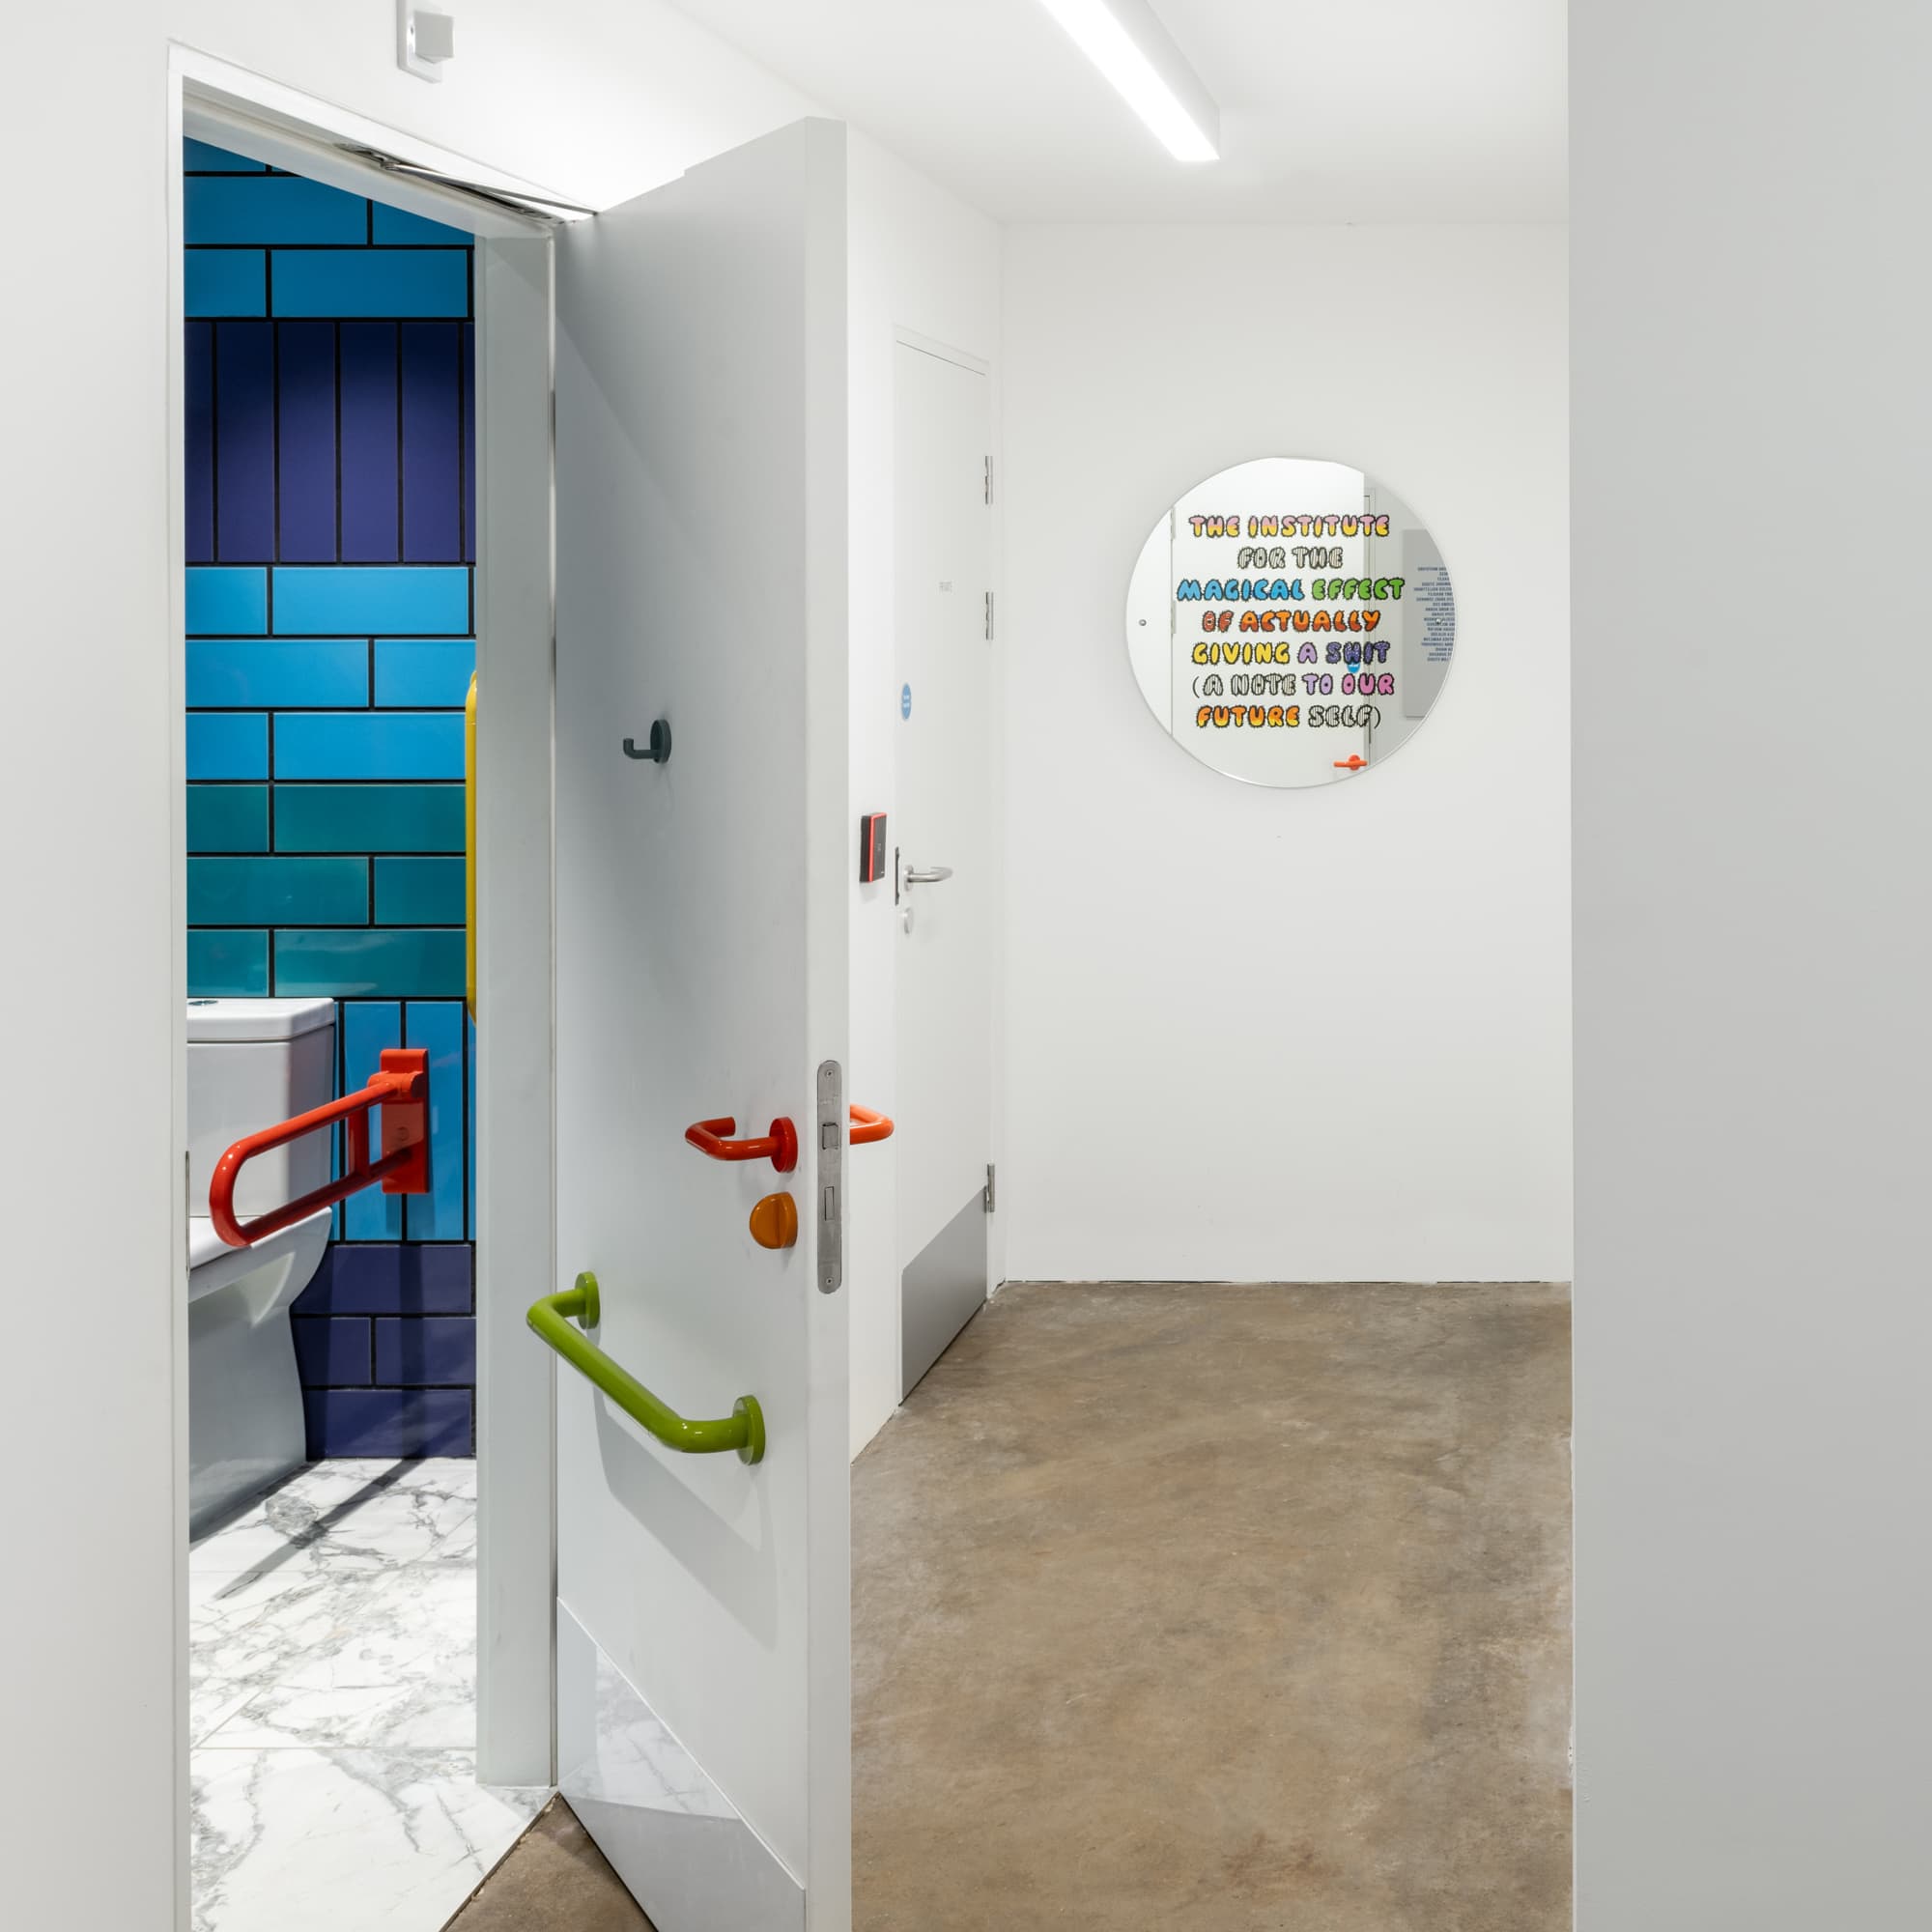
318, 671
277, 892
270, 209
387, 962
372, 282
227, 965
228, 599
200, 157
394, 227
438, 1216
368, 744
227, 818
325, 600
424, 671
366, 1030
419, 892
225, 282
227, 745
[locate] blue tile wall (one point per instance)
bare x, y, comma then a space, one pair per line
227, 281
371, 281
369, 744
331, 534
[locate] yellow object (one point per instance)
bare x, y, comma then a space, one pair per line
775, 1221
469, 848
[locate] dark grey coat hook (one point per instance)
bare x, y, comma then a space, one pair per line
658, 751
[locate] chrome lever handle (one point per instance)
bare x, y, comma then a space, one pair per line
927, 875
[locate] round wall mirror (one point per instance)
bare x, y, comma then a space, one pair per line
1291, 621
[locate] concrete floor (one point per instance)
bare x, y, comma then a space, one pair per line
554, 1879
1205, 1609
1219, 1608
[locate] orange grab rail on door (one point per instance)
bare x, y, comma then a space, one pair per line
400, 1089
869, 1127
780, 1147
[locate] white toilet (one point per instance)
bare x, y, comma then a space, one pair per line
250, 1065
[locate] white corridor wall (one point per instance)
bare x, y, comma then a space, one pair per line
1286, 1035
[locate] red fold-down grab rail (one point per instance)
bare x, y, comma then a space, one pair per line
400, 1089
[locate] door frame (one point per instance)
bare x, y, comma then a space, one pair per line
514, 1227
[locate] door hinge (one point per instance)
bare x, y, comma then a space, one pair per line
989, 616
990, 1199
989, 479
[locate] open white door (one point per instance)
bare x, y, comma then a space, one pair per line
704, 1604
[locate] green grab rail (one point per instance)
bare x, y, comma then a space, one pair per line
743, 1429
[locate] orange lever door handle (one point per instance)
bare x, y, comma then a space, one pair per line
869, 1127
780, 1147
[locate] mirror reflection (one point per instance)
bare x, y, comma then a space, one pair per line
1291, 621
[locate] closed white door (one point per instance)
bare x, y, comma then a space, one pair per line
704, 1600
946, 843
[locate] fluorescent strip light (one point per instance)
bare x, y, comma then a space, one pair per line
1126, 42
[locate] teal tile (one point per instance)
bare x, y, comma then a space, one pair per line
393, 962
333, 599
395, 227
369, 818
438, 1216
419, 892
231, 208
277, 892
419, 671
227, 965
225, 282
227, 745
229, 600
366, 1030
202, 157
227, 818
261, 672
373, 282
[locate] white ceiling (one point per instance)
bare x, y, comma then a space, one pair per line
1331, 110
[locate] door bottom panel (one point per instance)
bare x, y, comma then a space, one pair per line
941, 1290
681, 1848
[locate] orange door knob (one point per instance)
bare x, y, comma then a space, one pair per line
775, 1221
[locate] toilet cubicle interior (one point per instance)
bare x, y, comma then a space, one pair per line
329, 385
329, 492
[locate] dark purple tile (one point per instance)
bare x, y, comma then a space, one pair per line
427, 1351
305, 444
432, 448
391, 1278
198, 369
469, 442
369, 442
332, 1351
244, 442
388, 1422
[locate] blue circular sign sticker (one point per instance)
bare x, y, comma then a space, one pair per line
905, 700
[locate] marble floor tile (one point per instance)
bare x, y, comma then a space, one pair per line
386, 1660
349, 1517
332, 1698
324, 1841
